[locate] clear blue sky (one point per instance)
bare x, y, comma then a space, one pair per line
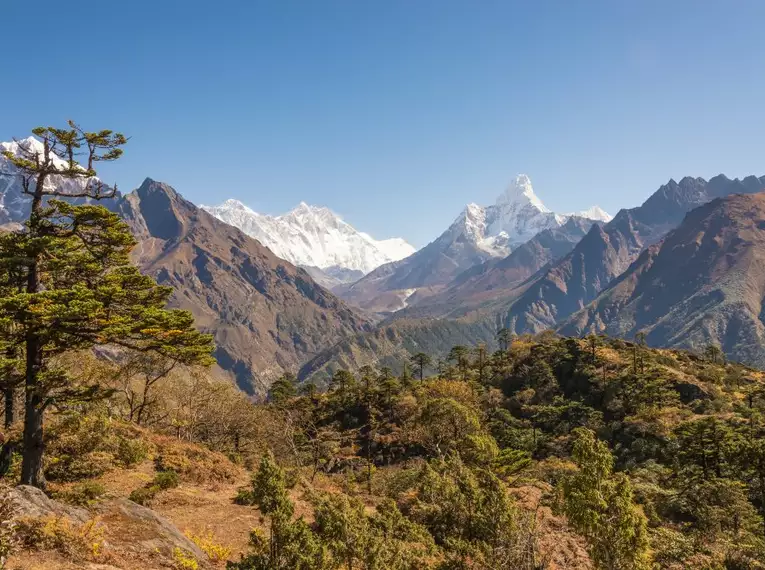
396, 113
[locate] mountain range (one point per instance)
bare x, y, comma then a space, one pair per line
267, 315
603, 283
685, 268
704, 283
477, 235
315, 238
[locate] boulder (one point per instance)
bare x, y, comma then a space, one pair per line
32, 502
143, 530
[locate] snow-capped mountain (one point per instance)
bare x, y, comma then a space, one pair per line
313, 236
478, 235
516, 217
14, 204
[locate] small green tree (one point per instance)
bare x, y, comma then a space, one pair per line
707, 448
481, 362
290, 544
599, 505
284, 388
714, 354
384, 540
504, 338
460, 355
342, 384
470, 514
445, 424
421, 362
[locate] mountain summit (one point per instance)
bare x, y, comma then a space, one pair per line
477, 235
516, 217
313, 236
521, 192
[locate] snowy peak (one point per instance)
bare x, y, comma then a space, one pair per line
313, 236
232, 204
594, 213
520, 194
516, 217
14, 203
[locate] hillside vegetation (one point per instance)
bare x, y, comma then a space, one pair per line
550, 453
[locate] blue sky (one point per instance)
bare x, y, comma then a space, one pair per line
397, 113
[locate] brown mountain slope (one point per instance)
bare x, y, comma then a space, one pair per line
391, 344
704, 283
267, 315
607, 251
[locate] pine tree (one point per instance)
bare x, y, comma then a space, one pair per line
421, 361
481, 361
290, 545
284, 388
459, 355
79, 290
504, 338
384, 540
599, 505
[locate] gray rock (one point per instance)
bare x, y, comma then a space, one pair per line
32, 502
152, 531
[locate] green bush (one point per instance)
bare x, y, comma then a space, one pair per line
144, 495
80, 447
67, 468
83, 494
162, 481
131, 451
166, 480
244, 497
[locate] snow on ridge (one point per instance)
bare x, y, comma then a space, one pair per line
313, 236
14, 204
593, 213
517, 215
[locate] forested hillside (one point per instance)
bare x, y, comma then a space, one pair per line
551, 452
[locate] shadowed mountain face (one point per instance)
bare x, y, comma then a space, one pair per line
703, 284
607, 251
267, 315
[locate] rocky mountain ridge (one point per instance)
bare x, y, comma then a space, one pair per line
477, 235
315, 237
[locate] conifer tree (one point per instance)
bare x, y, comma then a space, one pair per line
421, 361
504, 338
79, 289
284, 388
599, 505
290, 545
460, 356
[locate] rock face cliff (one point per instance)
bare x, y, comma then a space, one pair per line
703, 284
607, 251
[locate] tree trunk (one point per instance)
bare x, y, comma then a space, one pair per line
10, 406
33, 446
32, 463
6, 457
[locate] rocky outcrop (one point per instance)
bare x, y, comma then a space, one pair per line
32, 502
147, 530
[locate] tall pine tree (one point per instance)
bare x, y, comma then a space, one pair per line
79, 289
